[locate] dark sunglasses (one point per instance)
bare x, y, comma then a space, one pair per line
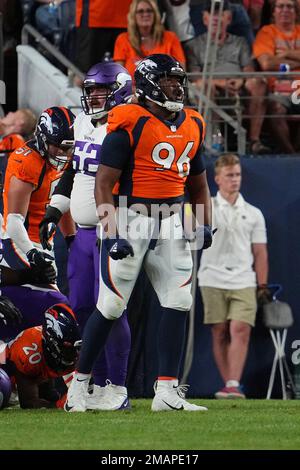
142, 12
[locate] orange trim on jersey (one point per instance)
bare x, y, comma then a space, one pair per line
18, 255
110, 279
163, 377
187, 282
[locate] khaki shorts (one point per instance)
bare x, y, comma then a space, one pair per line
221, 305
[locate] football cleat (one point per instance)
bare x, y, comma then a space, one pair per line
77, 395
169, 396
94, 399
110, 398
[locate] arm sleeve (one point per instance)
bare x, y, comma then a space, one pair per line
65, 185
197, 164
18, 233
116, 150
62, 193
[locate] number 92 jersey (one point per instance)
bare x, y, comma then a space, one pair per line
162, 153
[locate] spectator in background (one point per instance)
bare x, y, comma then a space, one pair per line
47, 18
275, 44
98, 23
241, 24
15, 127
233, 55
231, 273
176, 16
254, 9
146, 35
55, 20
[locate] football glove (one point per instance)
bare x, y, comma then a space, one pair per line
203, 235
48, 226
118, 248
39, 258
9, 313
38, 275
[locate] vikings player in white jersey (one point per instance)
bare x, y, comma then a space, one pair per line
106, 85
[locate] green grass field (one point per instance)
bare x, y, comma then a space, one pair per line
231, 424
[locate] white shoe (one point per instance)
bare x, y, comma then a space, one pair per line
114, 398
171, 396
94, 399
77, 394
14, 399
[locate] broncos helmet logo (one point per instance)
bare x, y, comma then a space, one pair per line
53, 324
45, 120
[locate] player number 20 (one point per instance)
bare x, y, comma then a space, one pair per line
164, 155
34, 357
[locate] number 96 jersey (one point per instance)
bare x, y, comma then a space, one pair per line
162, 153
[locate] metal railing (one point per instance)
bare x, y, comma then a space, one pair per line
230, 111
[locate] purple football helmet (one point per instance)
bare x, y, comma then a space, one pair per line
5, 389
116, 88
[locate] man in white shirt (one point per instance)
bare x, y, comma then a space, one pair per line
231, 273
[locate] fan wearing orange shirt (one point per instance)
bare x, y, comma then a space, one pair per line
40, 354
145, 35
153, 150
275, 44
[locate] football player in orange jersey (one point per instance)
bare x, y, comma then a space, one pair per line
153, 149
40, 354
32, 173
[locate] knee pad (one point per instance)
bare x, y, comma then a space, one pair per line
111, 307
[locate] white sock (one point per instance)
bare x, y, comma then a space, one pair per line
163, 384
232, 383
79, 376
